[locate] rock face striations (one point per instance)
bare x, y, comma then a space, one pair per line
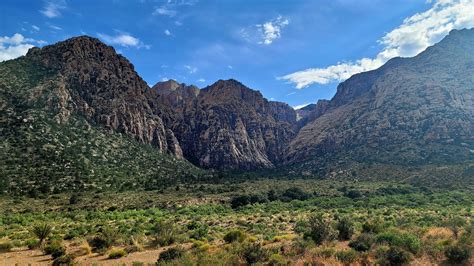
410, 111
103, 86
227, 125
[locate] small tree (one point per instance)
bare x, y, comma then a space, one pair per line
320, 229
345, 227
42, 231
165, 233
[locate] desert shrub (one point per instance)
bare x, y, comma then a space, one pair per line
294, 193
116, 253
346, 256
32, 243
397, 256
404, 240
104, 240
362, 242
74, 199
234, 236
42, 231
55, 248
6, 246
65, 260
353, 194
320, 229
199, 230
242, 200
164, 233
252, 253
170, 254
325, 252
278, 260
456, 224
458, 254
375, 226
345, 228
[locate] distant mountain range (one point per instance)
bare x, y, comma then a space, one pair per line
78, 115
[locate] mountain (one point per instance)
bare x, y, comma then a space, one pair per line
409, 112
74, 115
226, 125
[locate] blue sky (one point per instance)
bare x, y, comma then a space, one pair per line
292, 51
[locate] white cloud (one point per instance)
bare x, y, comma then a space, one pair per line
164, 11
300, 106
230, 67
201, 80
414, 35
123, 39
167, 32
191, 69
36, 28
54, 27
53, 8
271, 30
15, 46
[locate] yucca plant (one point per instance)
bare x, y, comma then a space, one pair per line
42, 231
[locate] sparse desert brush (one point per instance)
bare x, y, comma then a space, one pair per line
234, 236
116, 253
6, 246
42, 231
83, 249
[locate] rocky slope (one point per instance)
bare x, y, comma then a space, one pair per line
74, 116
226, 125
411, 111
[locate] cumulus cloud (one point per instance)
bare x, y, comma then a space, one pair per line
15, 46
167, 32
123, 39
414, 35
271, 30
53, 8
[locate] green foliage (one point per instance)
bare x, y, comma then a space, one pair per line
397, 256
32, 243
42, 231
320, 229
164, 233
458, 254
294, 193
6, 246
252, 253
117, 253
362, 242
55, 248
234, 236
374, 226
400, 239
198, 230
347, 256
104, 240
345, 227
170, 254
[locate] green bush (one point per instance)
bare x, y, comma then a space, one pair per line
374, 226
397, 256
400, 239
55, 249
320, 229
234, 235
104, 240
345, 228
170, 254
458, 254
363, 242
252, 253
199, 230
32, 243
6, 246
346, 256
164, 233
117, 253
278, 260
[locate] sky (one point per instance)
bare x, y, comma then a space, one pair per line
292, 51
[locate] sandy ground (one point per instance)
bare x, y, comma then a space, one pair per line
36, 257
